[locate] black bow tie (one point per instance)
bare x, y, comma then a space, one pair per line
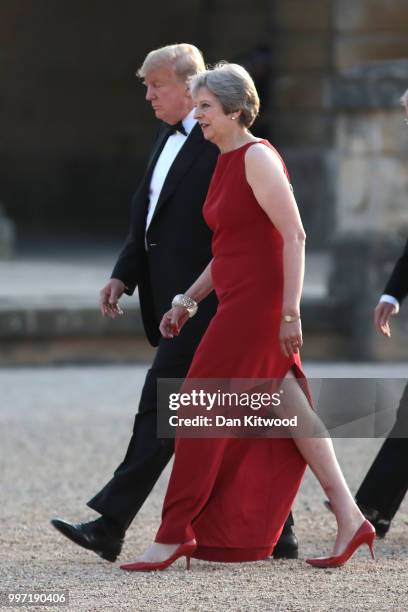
177, 127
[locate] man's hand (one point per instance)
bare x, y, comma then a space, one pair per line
109, 297
382, 315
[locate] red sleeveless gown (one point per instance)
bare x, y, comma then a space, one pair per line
233, 495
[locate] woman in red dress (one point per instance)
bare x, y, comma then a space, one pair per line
228, 498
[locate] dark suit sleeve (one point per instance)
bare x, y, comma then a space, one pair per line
132, 258
397, 286
128, 267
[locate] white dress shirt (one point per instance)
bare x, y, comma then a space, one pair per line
164, 163
390, 299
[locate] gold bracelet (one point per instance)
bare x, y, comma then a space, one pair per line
290, 318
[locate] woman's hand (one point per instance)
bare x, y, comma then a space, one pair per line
290, 337
172, 321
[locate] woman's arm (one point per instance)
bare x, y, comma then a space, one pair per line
202, 286
177, 316
265, 175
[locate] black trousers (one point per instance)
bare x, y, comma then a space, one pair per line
386, 482
147, 456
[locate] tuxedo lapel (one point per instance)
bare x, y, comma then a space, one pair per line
186, 156
141, 197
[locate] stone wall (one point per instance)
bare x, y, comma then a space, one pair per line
371, 197
367, 30
372, 148
303, 128
75, 128
343, 141
69, 138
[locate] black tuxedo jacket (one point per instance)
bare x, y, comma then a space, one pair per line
397, 285
178, 239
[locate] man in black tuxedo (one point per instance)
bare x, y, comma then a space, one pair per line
386, 482
168, 246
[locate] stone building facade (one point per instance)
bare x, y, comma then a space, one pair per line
75, 128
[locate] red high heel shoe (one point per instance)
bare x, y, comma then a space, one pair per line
365, 534
184, 550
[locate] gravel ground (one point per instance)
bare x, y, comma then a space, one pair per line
63, 431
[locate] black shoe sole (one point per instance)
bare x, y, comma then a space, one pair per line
109, 554
287, 554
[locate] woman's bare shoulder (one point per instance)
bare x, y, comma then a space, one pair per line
260, 157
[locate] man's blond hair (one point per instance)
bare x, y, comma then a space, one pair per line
185, 59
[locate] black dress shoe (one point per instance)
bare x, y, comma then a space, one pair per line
287, 545
92, 536
378, 521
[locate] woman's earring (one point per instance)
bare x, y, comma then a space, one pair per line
233, 117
